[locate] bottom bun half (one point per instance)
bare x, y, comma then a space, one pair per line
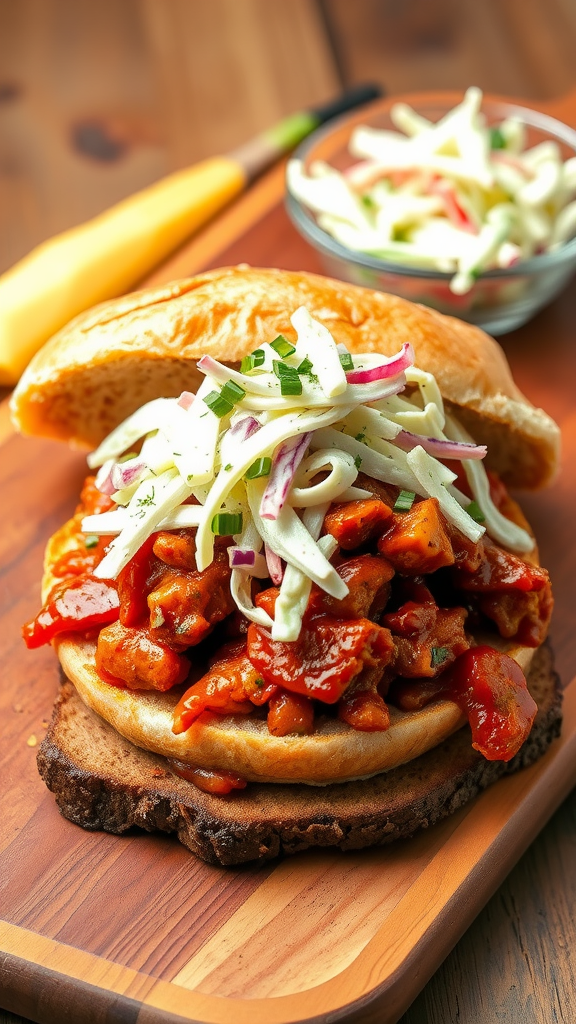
102, 781
335, 752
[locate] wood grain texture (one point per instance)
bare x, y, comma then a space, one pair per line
514, 47
73, 913
515, 962
100, 99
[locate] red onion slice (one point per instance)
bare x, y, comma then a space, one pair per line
186, 399
124, 474
439, 449
275, 567
244, 428
235, 436
248, 560
285, 464
397, 364
241, 557
103, 481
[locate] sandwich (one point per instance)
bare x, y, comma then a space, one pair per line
296, 604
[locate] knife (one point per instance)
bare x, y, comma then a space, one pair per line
110, 254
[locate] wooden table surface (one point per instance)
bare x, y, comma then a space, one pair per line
516, 962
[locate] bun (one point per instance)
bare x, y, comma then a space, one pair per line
109, 361
335, 752
101, 781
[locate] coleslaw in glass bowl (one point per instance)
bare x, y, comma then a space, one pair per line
468, 207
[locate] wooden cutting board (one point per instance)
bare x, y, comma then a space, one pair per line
99, 928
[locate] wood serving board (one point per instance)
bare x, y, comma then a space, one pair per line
99, 928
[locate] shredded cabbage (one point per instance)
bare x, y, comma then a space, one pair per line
225, 463
457, 196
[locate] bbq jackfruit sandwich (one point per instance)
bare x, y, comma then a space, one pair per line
296, 604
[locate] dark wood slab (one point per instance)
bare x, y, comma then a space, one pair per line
105, 928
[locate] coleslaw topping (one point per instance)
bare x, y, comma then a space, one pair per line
458, 195
264, 463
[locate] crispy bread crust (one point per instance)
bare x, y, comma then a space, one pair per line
335, 752
109, 361
101, 781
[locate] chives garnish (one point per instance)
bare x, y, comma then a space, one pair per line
438, 656
283, 370
290, 386
91, 540
497, 140
290, 383
305, 366
232, 392
357, 461
225, 524
252, 361
346, 361
282, 346
261, 467
219, 406
404, 501
475, 512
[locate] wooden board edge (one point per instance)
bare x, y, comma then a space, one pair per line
35, 970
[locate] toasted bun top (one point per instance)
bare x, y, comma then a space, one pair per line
109, 361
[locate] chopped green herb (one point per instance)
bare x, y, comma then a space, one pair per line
177, 454
290, 383
219, 406
497, 140
261, 467
346, 361
368, 202
357, 461
228, 467
404, 501
259, 682
253, 361
144, 503
290, 386
438, 656
232, 392
475, 512
305, 366
226, 524
282, 346
283, 370
360, 437
313, 378
91, 541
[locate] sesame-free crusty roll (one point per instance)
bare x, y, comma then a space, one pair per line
109, 361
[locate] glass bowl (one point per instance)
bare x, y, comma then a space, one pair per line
500, 300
